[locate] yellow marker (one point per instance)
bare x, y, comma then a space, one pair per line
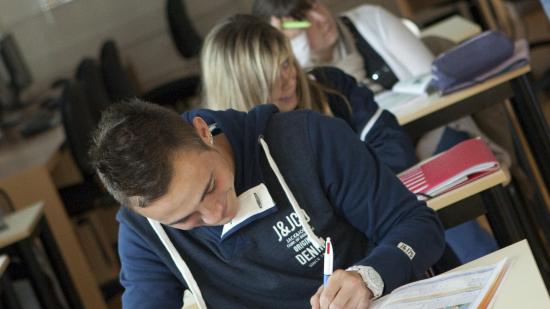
293, 24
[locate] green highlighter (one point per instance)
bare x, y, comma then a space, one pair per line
293, 24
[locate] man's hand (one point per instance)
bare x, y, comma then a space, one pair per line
344, 289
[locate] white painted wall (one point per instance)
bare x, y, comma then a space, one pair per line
53, 43
341, 5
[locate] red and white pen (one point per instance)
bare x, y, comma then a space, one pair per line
329, 256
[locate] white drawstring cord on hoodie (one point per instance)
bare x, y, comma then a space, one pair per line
180, 263
314, 239
370, 124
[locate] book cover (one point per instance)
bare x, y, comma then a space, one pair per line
455, 167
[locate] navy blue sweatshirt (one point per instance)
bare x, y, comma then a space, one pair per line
387, 138
269, 263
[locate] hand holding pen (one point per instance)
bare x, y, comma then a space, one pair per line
345, 290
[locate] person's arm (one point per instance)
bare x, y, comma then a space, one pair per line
405, 53
379, 128
403, 44
147, 282
407, 235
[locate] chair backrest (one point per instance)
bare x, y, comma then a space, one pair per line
174, 92
78, 123
185, 37
118, 84
92, 84
510, 16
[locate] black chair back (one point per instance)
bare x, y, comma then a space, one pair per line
78, 123
185, 37
175, 91
118, 84
90, 78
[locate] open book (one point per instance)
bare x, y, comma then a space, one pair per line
455, 167
405, 93
472, 288
394, 101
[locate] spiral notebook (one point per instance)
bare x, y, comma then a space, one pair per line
459, 165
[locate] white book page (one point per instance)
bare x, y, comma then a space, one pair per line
464, 289
460, 178
394, 101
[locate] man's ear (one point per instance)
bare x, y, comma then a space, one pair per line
201, 127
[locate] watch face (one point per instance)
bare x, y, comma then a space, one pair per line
374, 276
373, 280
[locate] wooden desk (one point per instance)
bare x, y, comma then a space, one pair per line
497, 178
508, 218
26, 170
23, 228
417, 115
21, 224
455, 207
523, 286
455, 29
437, 110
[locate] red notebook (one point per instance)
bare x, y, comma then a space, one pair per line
453, 168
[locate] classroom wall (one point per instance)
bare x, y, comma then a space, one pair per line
54, 42
341, 5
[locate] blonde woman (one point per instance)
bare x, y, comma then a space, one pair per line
246, 62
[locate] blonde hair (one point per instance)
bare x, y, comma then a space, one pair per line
241, 58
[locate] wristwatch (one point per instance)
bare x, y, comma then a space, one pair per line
372, 279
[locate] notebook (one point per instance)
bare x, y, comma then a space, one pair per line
459, 165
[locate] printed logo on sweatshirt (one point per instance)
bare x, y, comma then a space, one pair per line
290, 232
